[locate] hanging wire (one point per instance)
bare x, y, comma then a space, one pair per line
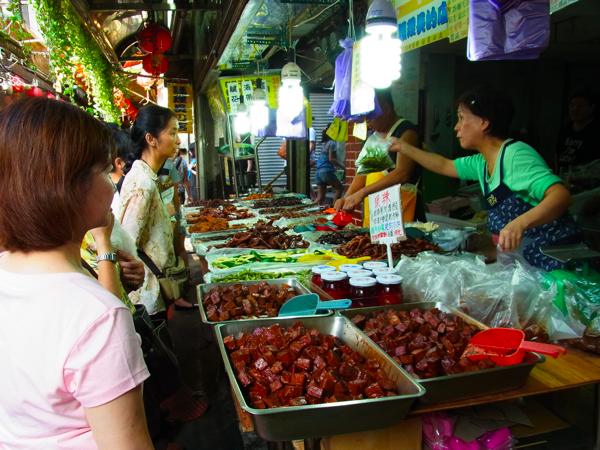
316, 15
351, 30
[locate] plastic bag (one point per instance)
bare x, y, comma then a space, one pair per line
374, 155
438, 434
503, 29
343, 80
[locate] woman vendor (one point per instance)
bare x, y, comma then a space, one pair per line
527, 204
405, 171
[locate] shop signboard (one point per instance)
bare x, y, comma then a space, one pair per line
458, 19
385, 214
180, 101
421, 22
240, 89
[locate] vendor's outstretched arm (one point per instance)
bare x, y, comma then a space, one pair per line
431, 161
554, 204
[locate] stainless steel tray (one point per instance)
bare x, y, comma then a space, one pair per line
463, 385
210, 235
203, 289
300, 422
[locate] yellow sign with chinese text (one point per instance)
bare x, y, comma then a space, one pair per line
239, 89
180, 101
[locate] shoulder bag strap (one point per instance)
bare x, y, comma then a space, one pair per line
89, 268
148, 261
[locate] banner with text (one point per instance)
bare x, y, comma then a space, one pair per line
180, 101
421, 22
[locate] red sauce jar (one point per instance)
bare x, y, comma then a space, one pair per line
383, 271
318, 270
347, 267
390, 289
335, 284
372, 265
359, 273
363, 292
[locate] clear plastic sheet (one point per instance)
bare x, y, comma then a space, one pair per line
499, 295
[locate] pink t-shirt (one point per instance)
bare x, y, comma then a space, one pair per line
65, 343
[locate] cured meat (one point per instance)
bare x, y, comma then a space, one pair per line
310, 368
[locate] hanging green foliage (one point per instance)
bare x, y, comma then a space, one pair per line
70, 44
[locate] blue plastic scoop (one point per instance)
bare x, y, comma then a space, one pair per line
309, 304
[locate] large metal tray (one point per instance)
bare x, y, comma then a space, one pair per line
203, 289
463, 385
300, 422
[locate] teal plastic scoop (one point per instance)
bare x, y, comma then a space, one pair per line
309, 304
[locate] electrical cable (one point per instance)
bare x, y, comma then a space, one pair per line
317, 15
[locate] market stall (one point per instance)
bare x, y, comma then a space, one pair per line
417, 316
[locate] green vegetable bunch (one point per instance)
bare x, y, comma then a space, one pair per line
374, 156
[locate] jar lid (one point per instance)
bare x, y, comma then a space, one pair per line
383, 271
371, 265
347, 267
363, 282
389, 279
331, 275
322, 268
359, 273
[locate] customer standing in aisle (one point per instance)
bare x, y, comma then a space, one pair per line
144, 216
527, 204
388, 122
325, 161
72, 366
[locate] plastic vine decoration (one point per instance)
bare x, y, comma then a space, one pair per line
70, 44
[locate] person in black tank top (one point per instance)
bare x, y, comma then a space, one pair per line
406, 171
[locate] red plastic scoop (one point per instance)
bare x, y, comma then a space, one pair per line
506, 346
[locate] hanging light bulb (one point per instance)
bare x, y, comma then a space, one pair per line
380, 51
259, 111
241, 122
291, 97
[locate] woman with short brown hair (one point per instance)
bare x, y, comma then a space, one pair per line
72, 366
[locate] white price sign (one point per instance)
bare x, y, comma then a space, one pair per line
385, 214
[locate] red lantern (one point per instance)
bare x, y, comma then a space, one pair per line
155, 64
154, 39
51, 96
17, 88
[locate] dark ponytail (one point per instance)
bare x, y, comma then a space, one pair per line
151, 119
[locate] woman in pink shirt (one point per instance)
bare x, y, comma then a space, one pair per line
71, 364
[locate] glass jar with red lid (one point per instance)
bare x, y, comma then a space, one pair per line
363, 292
335, 284
390, 289
318, 270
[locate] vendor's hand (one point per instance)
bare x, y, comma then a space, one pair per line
339, 204
132, 270
511, 236
354, 200
101, 235
398, 145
